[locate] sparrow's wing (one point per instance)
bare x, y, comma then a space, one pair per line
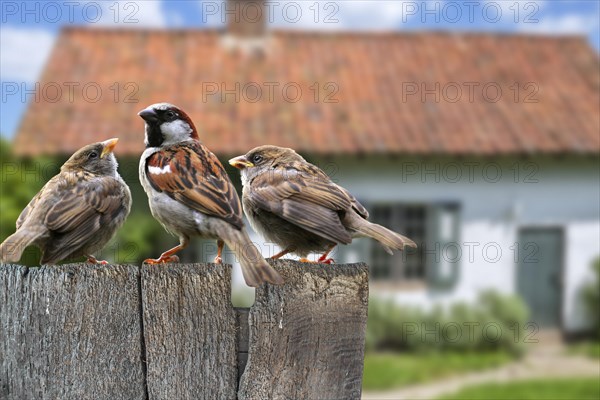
27, 210
359, 208
305, 198
194, 176
83, 206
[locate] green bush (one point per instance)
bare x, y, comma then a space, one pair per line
21, 179
591, 297
493, 322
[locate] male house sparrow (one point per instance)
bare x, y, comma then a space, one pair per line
191, 195
77, 212
294, 204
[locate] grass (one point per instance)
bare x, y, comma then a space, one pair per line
590, 349
539, 389
384, 371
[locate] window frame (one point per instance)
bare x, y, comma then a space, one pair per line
432, 277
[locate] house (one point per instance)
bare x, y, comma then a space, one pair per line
483, 148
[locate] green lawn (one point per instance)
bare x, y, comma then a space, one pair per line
385, 371
541, 389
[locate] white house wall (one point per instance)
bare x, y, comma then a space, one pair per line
582, 240
551, 192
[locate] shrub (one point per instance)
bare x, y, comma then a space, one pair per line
21, 179
493, 322
591, 297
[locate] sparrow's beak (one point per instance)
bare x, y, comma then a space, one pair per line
240, 162
109, 146
148, 114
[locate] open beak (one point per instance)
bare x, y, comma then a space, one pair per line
148, 114
109, 146
240, 162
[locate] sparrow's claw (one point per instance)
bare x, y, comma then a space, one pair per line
162, 260
218, 260
93, 260
320, 261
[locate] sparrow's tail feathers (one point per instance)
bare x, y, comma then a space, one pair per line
390, 240
14, 245
255, 269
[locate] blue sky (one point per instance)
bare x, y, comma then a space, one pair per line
28, 30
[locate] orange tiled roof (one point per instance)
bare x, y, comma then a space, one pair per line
374, 74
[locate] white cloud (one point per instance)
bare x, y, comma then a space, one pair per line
512, 11
563, 25
127, 13
24, 52
320, 14
363, 15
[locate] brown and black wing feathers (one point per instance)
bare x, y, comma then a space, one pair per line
307, 199
194, 176
28, 210
82, 207
359, 208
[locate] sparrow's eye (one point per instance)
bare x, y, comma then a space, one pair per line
93, 154
170, 114
257, 158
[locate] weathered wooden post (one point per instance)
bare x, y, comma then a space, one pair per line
306, 338
71, 332
169, 332
189, 331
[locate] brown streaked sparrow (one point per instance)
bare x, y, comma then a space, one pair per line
295, 205
77, 212
190, 193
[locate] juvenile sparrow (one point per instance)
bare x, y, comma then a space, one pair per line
77, 212
191, 195
296, 205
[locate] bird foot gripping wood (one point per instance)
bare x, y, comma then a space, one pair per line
93, 260
162, 260
218, 259
321, 260
324, 260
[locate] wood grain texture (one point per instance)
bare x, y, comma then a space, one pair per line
170, 332
70, 332
306, 337
189, 331
242, 338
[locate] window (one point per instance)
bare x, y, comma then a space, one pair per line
435, 228
408, 265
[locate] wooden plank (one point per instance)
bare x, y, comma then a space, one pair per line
70, 332
307, 337
190, 331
